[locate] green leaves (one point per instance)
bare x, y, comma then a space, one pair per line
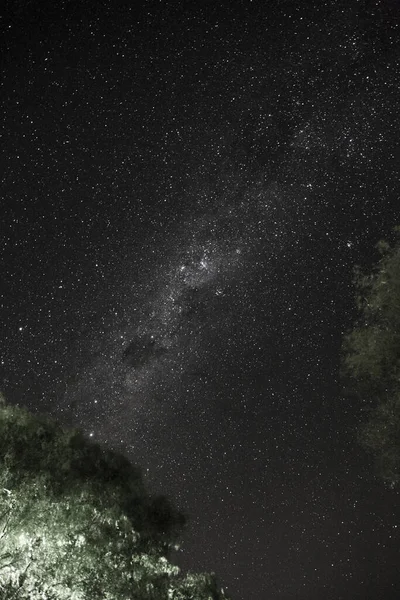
372, 357
77, 523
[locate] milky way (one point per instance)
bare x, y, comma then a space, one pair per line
164, 335
187, 187
160, 333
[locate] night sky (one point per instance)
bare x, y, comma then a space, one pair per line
185, 189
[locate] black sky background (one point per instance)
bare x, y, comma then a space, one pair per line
207, 174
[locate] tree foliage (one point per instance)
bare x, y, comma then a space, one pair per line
372, 357
76, 521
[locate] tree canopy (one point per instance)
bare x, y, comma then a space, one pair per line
372, 357
76, 521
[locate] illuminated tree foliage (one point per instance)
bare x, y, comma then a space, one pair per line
77, 523
372, 358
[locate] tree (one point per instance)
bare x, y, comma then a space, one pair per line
76, 521
372, 358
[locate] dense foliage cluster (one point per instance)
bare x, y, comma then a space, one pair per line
76, 521
372, 358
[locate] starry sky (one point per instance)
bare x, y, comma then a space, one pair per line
185, 189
